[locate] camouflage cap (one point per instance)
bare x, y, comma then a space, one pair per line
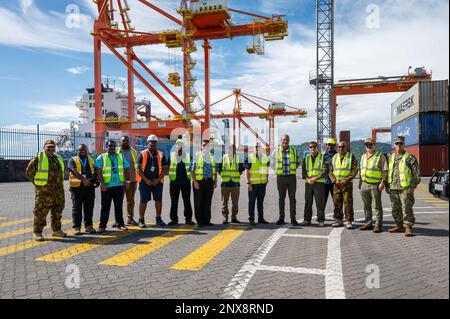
399, 139
369, 141
49, 142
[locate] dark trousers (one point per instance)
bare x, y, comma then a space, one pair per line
202, 201
328, 191
256, 196
287, 184
185, 190
83, 199
112, 194
315, 192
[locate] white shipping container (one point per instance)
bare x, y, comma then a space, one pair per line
198, 6
277, 106
430, 96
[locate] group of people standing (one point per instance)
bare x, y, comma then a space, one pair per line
121, 170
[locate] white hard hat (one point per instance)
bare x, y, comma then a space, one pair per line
152, 137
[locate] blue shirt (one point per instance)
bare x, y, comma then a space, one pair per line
207, 167
328, 156
115, 181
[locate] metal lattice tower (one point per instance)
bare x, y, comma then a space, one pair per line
323, 78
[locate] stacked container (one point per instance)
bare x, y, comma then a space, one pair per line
421, 116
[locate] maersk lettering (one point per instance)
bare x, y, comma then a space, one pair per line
405, 105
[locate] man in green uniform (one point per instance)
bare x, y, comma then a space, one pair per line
373, 170
403, 178
46, 172
314, 170
343, 169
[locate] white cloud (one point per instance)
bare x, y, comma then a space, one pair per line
52, 111
78, 69
49, 126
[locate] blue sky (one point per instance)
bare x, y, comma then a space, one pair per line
46, 66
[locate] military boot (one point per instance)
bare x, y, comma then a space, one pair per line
408, 231
38, 237
59, 233
397, 229
338, 223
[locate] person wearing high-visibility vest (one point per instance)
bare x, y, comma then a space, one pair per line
204, 180
230, 170
180, 182
328, 155
285, 161
130, 154
257, 165
81, 184
403, 178
153, 166
314, 170
46, 172
113, 170
343, 169
373, 174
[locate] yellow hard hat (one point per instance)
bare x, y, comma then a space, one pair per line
331, 141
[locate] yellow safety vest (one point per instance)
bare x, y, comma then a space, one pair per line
259, 169
107, 168
292, 160
342, 169
405, 171
41, 177
316, 169
133, 155
174, 163
73, 180
199, 166
370, 172
230, 171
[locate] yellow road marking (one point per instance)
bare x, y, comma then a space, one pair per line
15, 248
75, 250
203, 255
434, 201
135, 253
1, 218
15, 222
25, 230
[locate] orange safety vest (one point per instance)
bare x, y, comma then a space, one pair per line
145, 154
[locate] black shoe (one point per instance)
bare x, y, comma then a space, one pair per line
252, 223
201, 225
263, 221
294, 222
235, 221
160, 222
132, 222
115, 225
225, 221
141, 223
209, 224
280, 222
189, 222
172, 223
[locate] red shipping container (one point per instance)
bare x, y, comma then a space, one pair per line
345, 137
430, 157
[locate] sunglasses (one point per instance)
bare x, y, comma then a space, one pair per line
313, 146
399, 143
369, 145
341, 147
111, 146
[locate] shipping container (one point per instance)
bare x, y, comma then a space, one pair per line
204, 6
345, 137
429, 96
424, 129
430, 157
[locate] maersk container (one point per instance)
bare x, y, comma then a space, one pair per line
424, 129
426, 96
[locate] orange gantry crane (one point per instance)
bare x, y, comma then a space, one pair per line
275, 109
375, 132
380, 84
200, 21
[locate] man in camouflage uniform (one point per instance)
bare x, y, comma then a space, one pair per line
49, 190
403, 178
342, 170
